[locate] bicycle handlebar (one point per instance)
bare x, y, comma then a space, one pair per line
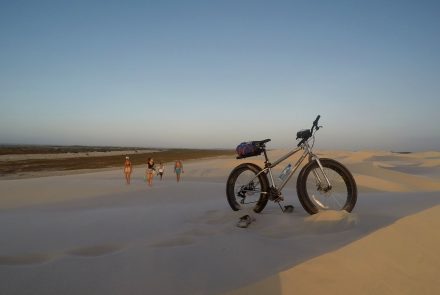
315, 124
306, 134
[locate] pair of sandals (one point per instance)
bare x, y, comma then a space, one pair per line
245, 220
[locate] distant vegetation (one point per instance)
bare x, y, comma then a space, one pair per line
43, 149
33, 165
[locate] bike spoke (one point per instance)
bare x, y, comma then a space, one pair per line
319, 203
323, 197
248, 186
336, 200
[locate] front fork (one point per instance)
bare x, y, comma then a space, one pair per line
313, 157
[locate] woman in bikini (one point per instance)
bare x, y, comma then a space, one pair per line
150, 171
127, 169
178, 168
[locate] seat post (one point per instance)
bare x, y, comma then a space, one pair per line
265, 155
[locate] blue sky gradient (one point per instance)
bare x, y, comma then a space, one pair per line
211, 74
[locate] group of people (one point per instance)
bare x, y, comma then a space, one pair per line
152, 170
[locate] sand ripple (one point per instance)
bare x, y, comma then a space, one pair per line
94, 251
25, 259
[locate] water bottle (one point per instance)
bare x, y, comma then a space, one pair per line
285, 172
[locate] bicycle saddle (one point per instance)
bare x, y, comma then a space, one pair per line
261, 142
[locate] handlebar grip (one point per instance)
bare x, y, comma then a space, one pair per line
316, 120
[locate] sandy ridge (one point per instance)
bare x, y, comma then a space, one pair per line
400, 259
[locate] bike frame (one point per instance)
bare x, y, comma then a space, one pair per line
307, 152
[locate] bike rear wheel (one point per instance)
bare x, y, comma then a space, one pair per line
314, 193
247, 188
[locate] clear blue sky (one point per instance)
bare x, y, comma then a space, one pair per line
214, 73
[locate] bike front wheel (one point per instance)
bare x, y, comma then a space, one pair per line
316, 195
247, 188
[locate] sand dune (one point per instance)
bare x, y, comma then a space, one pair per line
402, 258
91, 233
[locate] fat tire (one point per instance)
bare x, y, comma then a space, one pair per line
301, 184
230, 185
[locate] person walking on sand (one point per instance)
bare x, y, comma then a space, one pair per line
127, 169
161, 170
178, 168
150, 171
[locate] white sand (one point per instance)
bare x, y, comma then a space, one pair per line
92, 234
399, 259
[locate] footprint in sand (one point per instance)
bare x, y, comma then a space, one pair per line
37, 258
26, 259
325, 222
174, 242
94, 251
331, 221
200, 232
212, 222
215, 217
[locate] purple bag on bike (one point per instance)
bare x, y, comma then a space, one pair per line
248, 149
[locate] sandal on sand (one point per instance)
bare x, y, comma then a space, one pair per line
245, 221
288, 209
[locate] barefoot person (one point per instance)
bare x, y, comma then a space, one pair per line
161, 169
150, 171
178, 168
127, 169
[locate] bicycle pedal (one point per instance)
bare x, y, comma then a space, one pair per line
279, 199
